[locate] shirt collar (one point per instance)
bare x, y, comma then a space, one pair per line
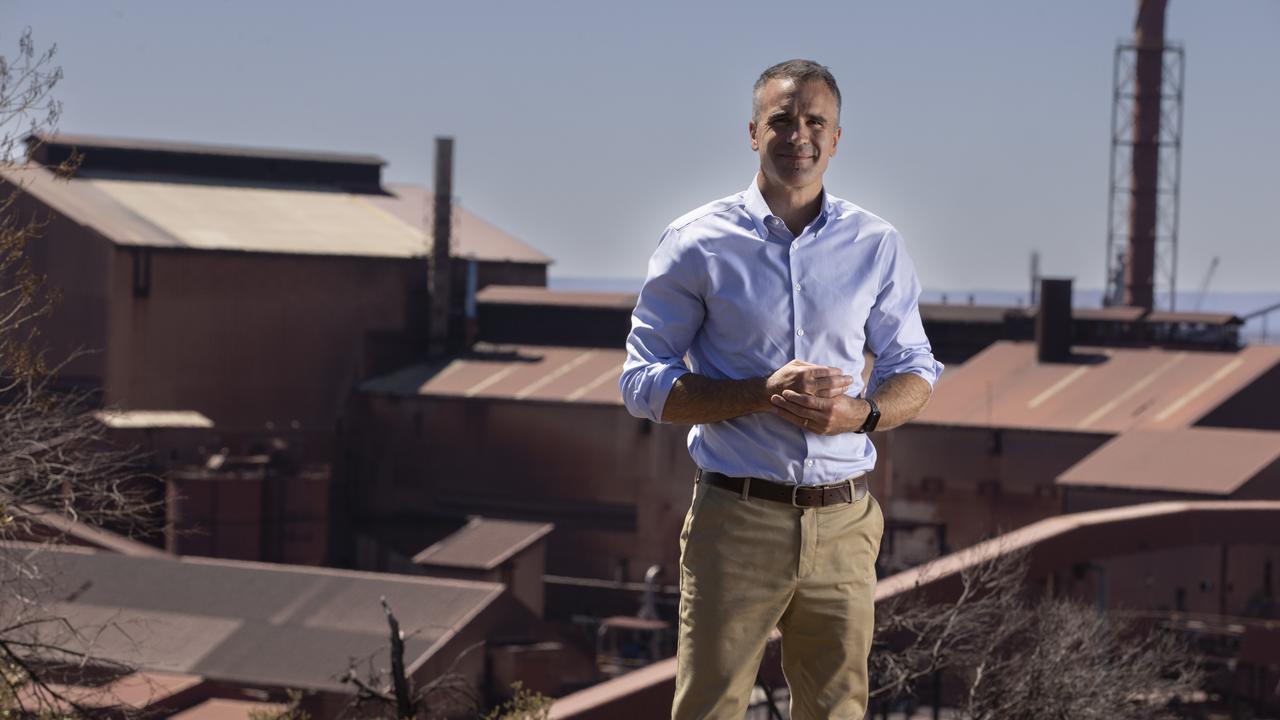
759, 211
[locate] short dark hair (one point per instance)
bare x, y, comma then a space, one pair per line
798, 70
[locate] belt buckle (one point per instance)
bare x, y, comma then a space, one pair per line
795, 490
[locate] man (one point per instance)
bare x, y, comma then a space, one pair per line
771, 297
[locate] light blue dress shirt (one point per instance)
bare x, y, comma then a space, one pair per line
732, 294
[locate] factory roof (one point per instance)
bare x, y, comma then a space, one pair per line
1106, 390
1121, 313
86, 143
960, 313
1196, 318
133, 691
142, 419
513, 372
483, 544
254, 623
229, 709
473, 237
41, 523
951, 313
228, 216
530, 295
1202, 461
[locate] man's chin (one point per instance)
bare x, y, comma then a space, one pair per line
796, 177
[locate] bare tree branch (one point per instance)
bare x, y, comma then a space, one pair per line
55, 458
1014, 656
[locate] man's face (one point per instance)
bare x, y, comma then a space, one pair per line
796, 131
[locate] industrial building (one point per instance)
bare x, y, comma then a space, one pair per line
331, 370
171, 634
256, 287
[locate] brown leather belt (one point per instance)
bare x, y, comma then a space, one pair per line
845, 491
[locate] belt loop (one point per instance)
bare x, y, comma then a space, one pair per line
746, 488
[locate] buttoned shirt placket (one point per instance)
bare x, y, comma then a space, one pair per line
775, 227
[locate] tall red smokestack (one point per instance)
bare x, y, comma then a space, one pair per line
1143, 200
441, 229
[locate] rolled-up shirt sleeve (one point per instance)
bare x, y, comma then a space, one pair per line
667, 317
895, 334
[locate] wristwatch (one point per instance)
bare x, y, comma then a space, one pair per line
873, 417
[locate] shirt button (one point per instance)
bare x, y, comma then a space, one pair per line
797, 287
800, 332
808, 463
795, 246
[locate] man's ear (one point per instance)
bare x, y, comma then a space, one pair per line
751, 128
835, 141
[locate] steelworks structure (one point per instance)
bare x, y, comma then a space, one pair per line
533, 433
987, 453
1146, 164
238, 628
1055, 547
254, 286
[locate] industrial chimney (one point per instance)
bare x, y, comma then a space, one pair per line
1139, 280
1053, 321
441, 234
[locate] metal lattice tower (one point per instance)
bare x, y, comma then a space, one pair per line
1130, 199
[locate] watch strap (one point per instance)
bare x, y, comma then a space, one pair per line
873, 417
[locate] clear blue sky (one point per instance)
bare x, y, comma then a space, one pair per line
979, 128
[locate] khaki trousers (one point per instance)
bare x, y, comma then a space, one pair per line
748, 565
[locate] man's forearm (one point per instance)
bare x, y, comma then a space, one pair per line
697, 399
901, 398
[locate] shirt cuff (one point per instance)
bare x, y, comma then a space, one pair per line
928, 370
661, 388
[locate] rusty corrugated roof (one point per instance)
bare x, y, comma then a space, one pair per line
530, 295
135, 691
1200, 318
483, 544
1204, 461
1119, 313
244, 622
514, 372
135, 419
961, 313
60, 528
951, 313
227, 709
1110, 390
472, 236
87, 142
211, 216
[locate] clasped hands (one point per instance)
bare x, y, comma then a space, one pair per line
813, 397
